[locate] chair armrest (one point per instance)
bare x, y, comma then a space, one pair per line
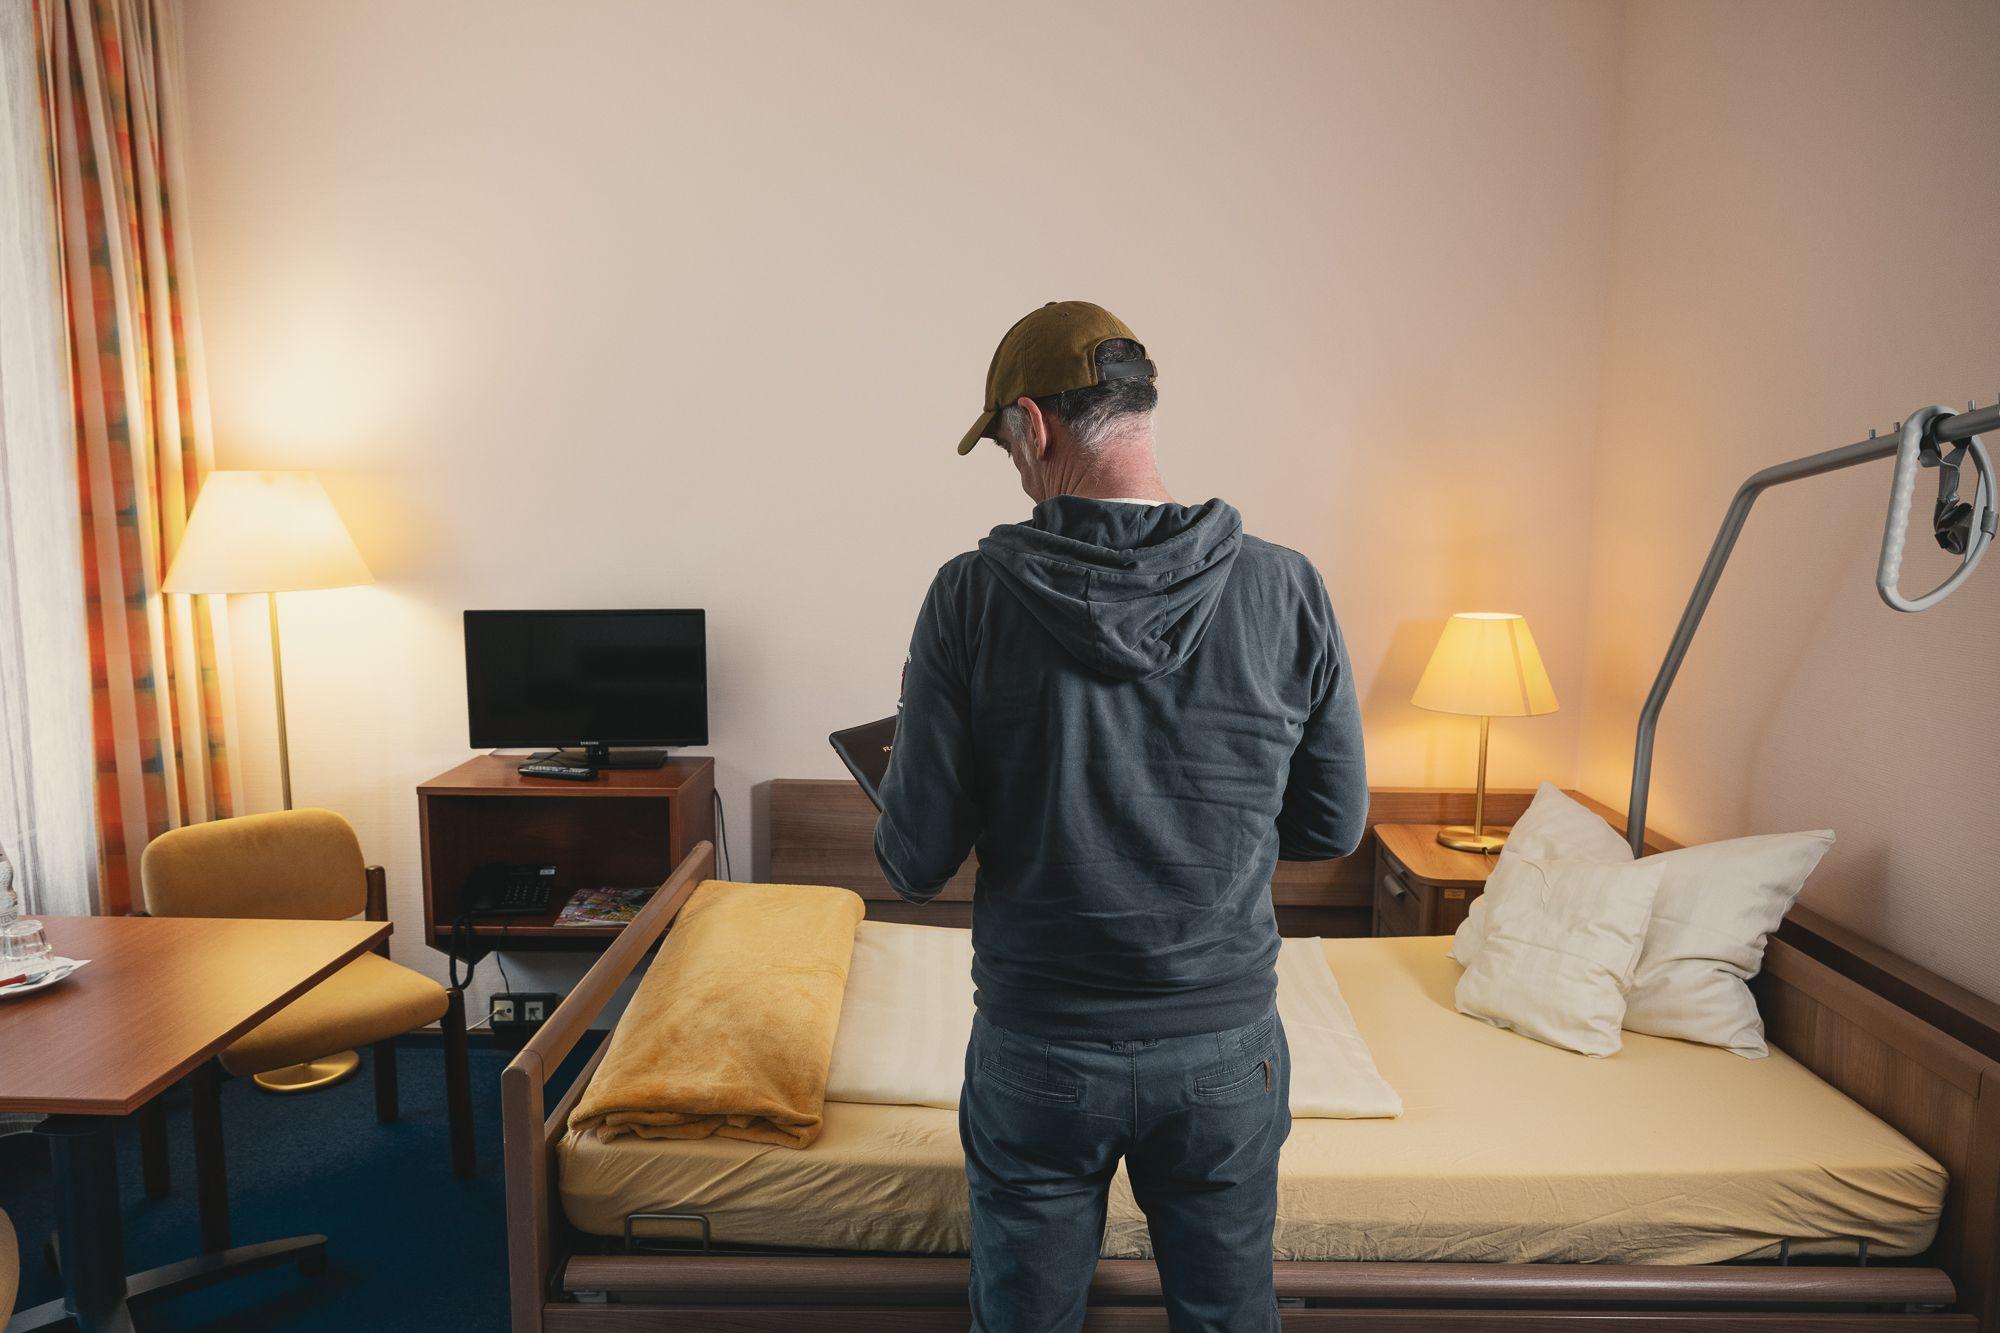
378, 903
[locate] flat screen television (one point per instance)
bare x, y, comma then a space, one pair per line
603, 682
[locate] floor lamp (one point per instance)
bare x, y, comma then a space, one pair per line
270, 532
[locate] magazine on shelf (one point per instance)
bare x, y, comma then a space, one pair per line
603, 907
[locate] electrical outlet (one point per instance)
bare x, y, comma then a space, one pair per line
523, 1009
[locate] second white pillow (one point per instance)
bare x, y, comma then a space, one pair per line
1718, 904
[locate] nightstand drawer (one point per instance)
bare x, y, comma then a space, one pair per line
1399, 905
1421, 887
1452, 905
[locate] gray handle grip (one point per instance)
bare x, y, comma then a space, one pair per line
1889, 569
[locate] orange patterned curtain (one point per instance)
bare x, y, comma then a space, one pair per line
160, 697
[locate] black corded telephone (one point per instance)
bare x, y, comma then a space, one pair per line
501, 889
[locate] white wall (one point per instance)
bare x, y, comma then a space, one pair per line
613, 304
1807, 245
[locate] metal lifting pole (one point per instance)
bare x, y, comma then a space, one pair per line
1942, 430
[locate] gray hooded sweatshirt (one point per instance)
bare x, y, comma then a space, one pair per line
1132, 712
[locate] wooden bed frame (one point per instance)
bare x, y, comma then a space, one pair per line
1914, 1050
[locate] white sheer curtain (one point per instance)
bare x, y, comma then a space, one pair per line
47, 822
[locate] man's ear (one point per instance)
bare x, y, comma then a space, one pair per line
1036, 432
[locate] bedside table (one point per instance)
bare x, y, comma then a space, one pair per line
1423, 887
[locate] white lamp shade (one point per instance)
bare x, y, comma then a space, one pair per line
1486, 665
264, 532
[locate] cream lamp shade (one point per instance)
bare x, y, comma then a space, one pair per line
267, 532
1486, 665
264, 532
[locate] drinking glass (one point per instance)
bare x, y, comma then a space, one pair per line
24, 946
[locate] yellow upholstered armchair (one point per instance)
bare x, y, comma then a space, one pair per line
305, 865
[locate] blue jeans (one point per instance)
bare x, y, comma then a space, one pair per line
1199, 1121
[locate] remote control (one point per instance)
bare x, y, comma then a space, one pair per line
545, 769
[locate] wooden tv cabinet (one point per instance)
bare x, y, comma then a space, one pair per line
628, 827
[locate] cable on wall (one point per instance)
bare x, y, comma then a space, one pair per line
722, 835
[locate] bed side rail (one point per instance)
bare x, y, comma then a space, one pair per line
529, 1128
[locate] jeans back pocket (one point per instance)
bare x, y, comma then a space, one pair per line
1021, 1066
1243, 1076
1243, 1067
1035, 1087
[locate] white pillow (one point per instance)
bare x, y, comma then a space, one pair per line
1562, 937
1554, 827
1717, 905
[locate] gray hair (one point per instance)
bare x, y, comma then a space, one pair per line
1092, 413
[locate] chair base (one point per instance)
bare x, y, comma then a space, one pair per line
142, 1289
310, 1076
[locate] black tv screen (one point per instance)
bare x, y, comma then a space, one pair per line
570, 677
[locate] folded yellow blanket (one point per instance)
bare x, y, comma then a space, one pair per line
731, 1030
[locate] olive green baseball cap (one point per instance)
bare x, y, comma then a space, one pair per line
1051, 350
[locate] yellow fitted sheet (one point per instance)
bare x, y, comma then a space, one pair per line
1507, 1151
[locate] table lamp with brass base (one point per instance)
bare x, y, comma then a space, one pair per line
271, 532
1486, 665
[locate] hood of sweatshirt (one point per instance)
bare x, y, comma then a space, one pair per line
1127, 589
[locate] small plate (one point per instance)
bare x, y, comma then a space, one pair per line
48, 974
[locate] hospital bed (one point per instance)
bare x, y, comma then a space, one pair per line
1852, 1181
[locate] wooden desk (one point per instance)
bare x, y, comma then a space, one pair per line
161, 997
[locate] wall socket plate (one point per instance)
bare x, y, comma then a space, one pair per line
521, 1010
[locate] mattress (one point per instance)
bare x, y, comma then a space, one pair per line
1507, 1151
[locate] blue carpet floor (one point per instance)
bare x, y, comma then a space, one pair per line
409, 1246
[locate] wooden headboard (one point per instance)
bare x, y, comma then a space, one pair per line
823, 832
